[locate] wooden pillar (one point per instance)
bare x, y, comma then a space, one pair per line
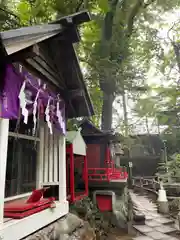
86, 176
62, 168
40, 164
56, 157
4, 129
46, 155
51, 159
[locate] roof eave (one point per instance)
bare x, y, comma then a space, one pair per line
75, 19
22, 38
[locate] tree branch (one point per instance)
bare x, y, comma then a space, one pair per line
171, 28
135, 10
93, 65
148, 3
86, 4
9, 12
132, 16
79, 5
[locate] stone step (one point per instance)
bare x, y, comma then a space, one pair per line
142, 238
152, 223
173, 238
165, 229
142, 228
160, 236
149, 217
164, 221
155, 235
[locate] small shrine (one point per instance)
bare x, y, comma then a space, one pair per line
102, 157
76, 167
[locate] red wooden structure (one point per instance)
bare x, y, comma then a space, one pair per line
101, 167
76, 170
109, 173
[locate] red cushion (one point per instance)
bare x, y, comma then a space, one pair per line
22, 205
18, 215
36, 195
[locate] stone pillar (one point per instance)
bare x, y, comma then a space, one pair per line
117, 160
163, 206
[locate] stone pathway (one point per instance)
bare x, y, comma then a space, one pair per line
156, 226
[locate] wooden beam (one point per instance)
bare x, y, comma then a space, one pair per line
76, 18
72, 93
56, 162
22, 55
71, 34
62, 168
48, 55
40, 162
38, 74
51, 158
46, 155
45, 66
38, 67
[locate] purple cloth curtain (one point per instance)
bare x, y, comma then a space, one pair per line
9, 101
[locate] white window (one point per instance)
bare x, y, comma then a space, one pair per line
22, 157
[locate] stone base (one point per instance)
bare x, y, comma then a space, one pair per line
66, 228
163, 207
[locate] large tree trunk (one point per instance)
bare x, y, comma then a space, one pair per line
105, 53
109, 88
106, 121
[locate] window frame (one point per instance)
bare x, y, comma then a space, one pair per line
25, 137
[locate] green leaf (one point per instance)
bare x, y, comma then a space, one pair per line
104, 5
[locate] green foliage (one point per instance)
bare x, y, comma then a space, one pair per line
104, 5
146, 107
34, 12
172, 136
174, 206
71, 125
8, 19
172, 167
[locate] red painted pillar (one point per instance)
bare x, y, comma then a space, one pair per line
86, 176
